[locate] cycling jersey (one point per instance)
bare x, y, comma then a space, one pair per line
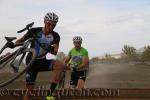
42, 40
76, 56
40, 64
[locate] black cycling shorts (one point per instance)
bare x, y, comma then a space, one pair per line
38, 65
76, 75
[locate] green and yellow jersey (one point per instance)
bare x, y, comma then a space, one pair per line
76, 56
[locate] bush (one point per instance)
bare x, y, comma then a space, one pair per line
146, 54
129, 52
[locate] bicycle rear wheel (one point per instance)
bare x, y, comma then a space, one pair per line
4, 59
8, 74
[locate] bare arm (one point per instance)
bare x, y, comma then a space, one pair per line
23, 39
67, 60
85, 62
55, 49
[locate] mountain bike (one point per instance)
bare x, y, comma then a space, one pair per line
12, 65
61, 83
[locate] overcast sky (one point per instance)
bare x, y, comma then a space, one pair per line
105, 25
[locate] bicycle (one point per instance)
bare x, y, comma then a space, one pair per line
61, 83
15, 59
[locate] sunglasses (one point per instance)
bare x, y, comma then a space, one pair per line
77, 42
50, 23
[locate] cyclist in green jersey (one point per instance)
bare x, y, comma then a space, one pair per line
77, 60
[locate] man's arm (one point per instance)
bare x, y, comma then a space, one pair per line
55, 44
54, 48
85, 62
23, 39
67, 60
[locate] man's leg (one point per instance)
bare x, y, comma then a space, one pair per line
74, 80
58, 67
31, 74
50, 65
81, 80
80, 84
28, 91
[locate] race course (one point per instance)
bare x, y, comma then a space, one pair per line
132, 76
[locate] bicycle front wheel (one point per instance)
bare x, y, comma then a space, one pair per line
11, 71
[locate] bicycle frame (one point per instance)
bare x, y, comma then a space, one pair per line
12, 58
24, 46
15, 53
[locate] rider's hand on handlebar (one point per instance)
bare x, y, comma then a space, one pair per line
72, 67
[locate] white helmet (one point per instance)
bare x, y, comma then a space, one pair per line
77, 39
50, 16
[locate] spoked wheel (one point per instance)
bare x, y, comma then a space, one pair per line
11, 71
5, 58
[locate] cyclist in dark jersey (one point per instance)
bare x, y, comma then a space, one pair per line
47, 41
78, 61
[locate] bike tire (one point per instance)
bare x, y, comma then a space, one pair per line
4, 62
17, 75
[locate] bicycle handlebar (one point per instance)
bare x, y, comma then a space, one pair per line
10, 39
27, 27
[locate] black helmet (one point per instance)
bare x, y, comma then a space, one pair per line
77, 39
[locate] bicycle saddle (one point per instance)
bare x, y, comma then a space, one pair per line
9, 39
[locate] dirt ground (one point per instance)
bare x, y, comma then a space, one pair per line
101, 75
118, 75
